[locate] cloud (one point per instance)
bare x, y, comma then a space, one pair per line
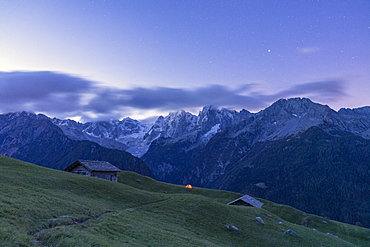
327, 91
307, 50
166, 98
63, 95
170, 99
41, 91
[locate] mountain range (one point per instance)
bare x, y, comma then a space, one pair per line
294, 152
34, 138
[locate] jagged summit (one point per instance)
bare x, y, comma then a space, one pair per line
357, 111
26, 114
297, 107
290, 116
181, 123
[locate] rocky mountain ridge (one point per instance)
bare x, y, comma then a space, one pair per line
280, 120
135, 137
193, 133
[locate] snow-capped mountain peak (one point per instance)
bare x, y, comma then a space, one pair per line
282, 118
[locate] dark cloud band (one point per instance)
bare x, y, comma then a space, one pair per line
64, 95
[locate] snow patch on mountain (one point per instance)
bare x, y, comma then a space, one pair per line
211, 133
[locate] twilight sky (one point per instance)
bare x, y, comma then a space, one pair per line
99, 60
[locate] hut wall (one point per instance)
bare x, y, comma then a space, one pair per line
112, 176
81, 170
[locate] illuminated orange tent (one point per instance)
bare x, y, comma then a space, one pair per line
189, 186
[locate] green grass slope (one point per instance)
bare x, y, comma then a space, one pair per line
45, 207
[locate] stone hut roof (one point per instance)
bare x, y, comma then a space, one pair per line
94, 165
246, 200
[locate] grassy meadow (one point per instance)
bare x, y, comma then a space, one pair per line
45, 207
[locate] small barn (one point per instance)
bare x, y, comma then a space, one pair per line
94, 168
246, 200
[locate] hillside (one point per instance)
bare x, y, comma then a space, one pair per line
45, 207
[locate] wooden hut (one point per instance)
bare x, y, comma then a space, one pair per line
94, 168
246, 200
